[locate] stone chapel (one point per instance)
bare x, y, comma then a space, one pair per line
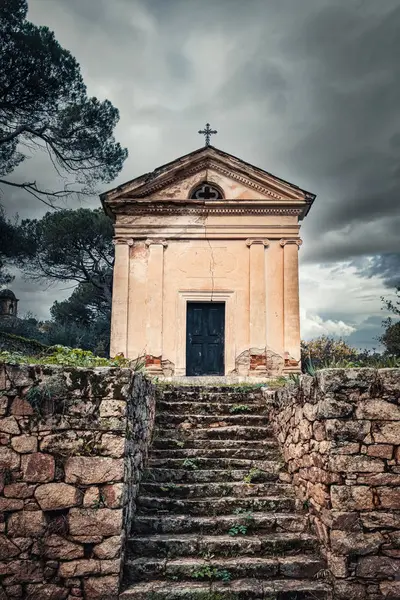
206, 268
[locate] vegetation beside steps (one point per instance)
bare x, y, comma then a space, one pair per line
216, 518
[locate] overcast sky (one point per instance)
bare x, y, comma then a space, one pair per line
308, 90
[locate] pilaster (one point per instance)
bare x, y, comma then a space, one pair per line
257, 308
120, 297
155, 287
291, 308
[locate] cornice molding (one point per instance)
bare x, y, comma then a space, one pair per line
148, 189
206, 210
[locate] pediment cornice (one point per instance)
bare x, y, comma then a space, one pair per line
171, 184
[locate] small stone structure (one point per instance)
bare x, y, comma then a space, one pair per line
340, 436
8, 304
72, 447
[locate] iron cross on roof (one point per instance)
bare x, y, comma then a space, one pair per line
208, 132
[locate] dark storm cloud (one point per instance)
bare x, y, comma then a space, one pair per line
308, 90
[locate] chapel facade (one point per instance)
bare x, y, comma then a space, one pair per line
206, 268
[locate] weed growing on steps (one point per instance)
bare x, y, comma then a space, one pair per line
252, 475
168, 487
190, 463
239, 408
242, 526
210, 573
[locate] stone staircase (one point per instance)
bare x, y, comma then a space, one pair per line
216, 519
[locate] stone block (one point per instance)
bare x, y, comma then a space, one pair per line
378, 410
102, 521
386, 432
340, 430
91, 498
113, 495
380, 520
9, 459
110, 548
38, 467
331, 408
10, 504
9, 425
113, 445
337, 565
390, 590
389, 497
355, 464
7, 548
79, 568
19, 490
93, 470
46, 591
26, 524
57, 547
24, 444
349, 498
112, 408
21, 407
101, 588
57, 496
3, 405
355, 543
377, 567
380, 450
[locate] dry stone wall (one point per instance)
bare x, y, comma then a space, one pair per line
73, 443
340, 435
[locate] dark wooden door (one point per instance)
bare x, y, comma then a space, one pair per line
205, 336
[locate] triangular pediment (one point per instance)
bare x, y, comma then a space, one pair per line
239, 181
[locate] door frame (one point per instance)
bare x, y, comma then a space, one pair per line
185, 296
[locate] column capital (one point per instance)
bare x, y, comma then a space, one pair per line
296, 241
156, 242
122, 241
250, 242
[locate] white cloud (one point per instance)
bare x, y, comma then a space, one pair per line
313, 326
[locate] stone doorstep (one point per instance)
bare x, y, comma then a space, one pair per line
173, 420
216, 380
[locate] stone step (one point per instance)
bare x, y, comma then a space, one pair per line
207, 490
213, 408
216, 506
220, 456
188, 421
241, 445
227, 433
185, 475
197, 462
210, 394
292, 567
173, 546
241, 589
259, 522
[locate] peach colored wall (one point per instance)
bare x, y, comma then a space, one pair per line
241, 251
